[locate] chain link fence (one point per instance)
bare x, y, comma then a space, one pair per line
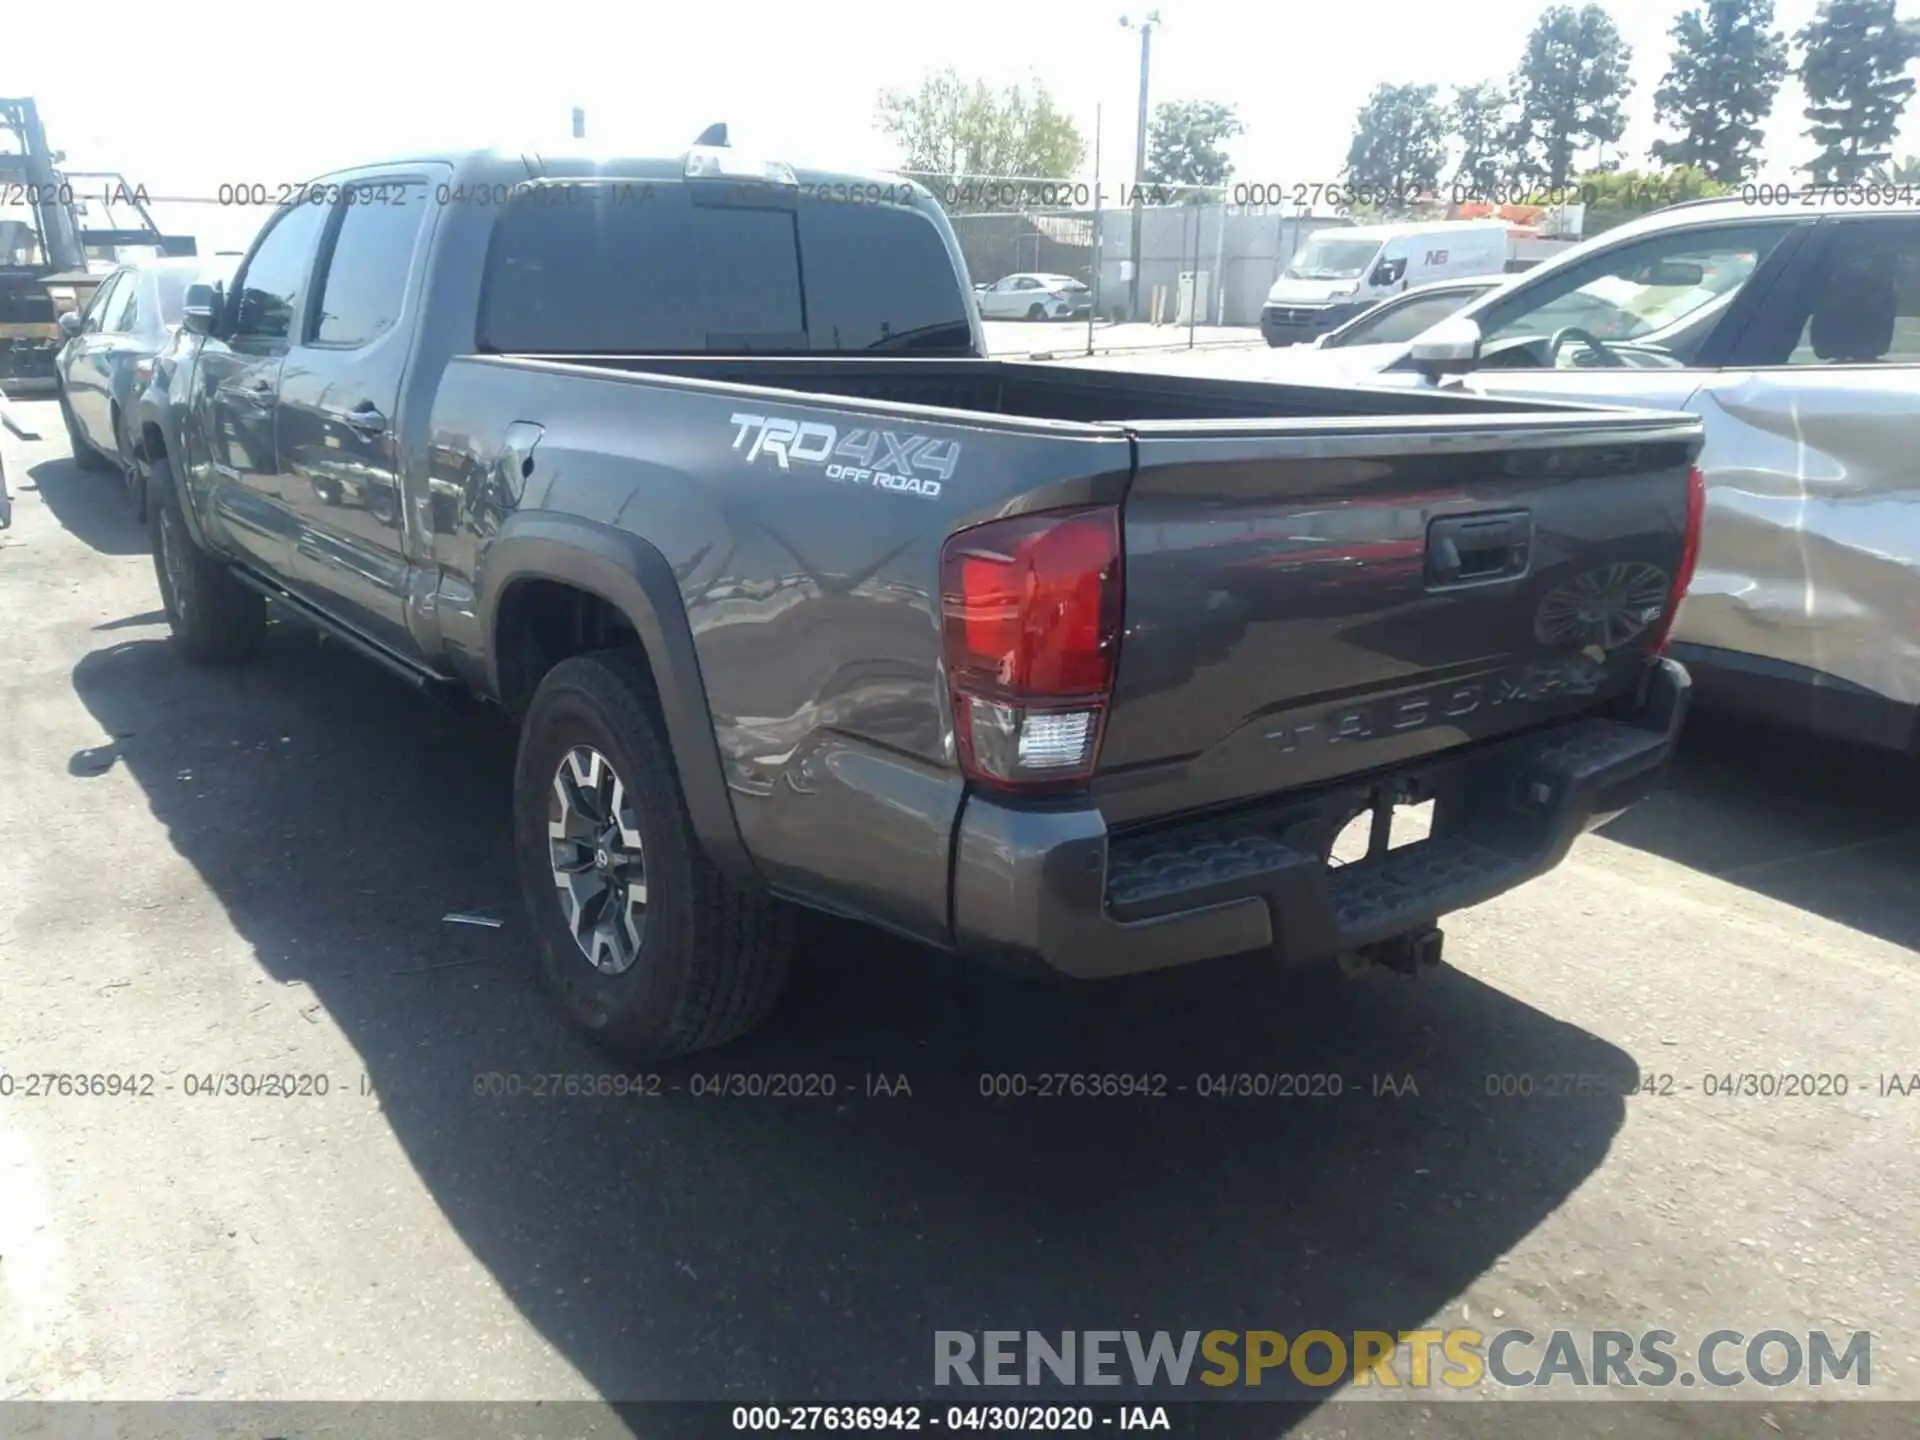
1187, 263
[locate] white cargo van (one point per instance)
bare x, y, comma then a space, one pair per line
1340, 272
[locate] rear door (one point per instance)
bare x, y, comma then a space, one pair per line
338, 434
1813, 427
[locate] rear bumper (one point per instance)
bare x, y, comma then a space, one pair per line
1049, 888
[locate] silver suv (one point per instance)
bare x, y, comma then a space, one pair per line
1793, 331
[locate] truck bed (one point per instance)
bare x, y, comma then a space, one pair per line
1284, 625
1049, 391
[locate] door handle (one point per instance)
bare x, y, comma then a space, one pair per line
1475, 549
364, 419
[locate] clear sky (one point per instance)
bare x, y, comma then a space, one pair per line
184, 96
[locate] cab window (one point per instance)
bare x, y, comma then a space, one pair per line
364, 282
267, 289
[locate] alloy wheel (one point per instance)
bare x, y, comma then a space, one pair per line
598, 861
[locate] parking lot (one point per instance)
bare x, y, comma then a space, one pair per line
1065, 339
211, 873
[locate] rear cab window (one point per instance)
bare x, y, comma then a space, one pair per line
655, 268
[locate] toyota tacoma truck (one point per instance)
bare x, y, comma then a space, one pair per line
699, 470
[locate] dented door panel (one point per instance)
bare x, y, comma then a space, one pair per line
1812, 535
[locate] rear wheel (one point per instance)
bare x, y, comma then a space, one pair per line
648, 948
84, 455
1036, 312
215, 618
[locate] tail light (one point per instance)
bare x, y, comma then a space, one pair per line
1689, 557
1030, 616
143, 369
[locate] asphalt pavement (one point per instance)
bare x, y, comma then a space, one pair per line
214, 874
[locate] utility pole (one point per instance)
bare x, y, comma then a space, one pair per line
1099, 232
1146, 27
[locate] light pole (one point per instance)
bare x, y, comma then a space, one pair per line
1146, 25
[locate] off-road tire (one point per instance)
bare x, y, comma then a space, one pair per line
84, 455
215, 619
713, 958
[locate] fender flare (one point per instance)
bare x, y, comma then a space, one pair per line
162, 418
635, 578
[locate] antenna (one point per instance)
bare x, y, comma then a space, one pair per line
713, 135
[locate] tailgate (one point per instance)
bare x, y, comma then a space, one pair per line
1311, 600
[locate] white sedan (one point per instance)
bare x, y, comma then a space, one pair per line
1034, 297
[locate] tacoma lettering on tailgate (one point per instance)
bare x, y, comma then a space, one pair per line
1547, 681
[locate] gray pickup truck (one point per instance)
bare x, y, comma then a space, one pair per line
697, 469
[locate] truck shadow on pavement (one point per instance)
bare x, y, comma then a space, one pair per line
1825, 827
686, 1246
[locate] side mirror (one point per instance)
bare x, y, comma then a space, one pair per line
70, 323
1449, 347
200, 310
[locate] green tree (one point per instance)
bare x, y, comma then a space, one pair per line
949, 128
1570, 87
1399, 144
1613, 197
1898, 172
1726, 67
1478, 116
1853, 61
1185, 142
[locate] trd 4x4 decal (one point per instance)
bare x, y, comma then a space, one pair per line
878, 459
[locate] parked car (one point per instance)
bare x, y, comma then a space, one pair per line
1794, 333
798, 598
107, 358
1035, 297
1343, 272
